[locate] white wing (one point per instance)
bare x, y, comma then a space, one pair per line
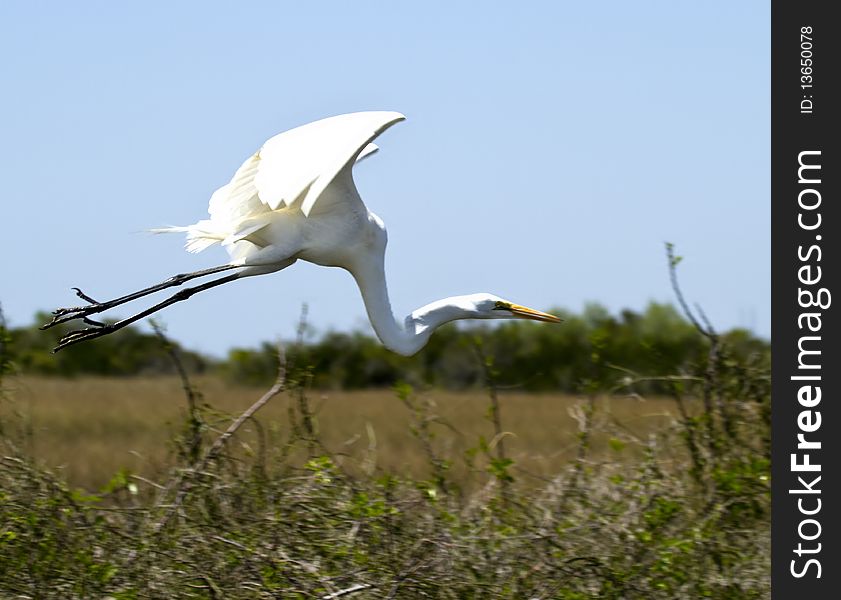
238, 200
242, 199
298, 164
294, 166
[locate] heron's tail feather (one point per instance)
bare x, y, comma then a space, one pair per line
198, 236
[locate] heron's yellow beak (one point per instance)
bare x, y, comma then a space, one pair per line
534, 315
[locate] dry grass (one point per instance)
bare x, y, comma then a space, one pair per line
89, 428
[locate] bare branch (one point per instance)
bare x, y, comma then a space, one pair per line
357, 587
182, 484
673, 262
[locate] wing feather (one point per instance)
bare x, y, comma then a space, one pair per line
292, 168
299, 164
238, 199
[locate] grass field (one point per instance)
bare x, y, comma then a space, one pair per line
387, 494
89, 428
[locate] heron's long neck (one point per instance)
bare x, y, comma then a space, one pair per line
404, 337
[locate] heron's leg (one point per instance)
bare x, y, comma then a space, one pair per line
80, 335
62, 315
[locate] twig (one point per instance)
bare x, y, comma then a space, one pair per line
278, 387
300, 381
147, 481
490, 384
182, 484
713, 357
632, 378
194, 447
585, 426
420, 420
689, 434
673, 262
358, 587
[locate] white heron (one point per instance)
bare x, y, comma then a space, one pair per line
293, 199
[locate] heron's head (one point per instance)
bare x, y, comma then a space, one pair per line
488, 306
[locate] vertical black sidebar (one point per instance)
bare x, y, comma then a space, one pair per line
806, 395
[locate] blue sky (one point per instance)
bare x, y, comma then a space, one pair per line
550, 150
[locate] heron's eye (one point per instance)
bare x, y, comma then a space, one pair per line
499, 305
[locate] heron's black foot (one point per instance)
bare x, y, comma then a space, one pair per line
62, 315
84, 296
98, 329
80, 335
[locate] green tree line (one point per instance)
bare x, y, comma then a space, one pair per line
594, 346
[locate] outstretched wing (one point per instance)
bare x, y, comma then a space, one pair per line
299, 164
295, 166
